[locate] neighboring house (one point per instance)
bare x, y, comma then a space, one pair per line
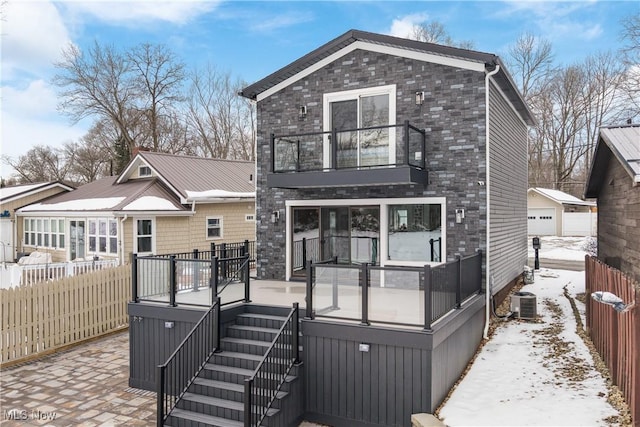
160, 203
371, 147
13, 198
556, 213
614, 180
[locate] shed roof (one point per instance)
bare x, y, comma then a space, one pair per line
561, 197
623, 142
489, 60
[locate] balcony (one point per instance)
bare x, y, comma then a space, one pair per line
372, 156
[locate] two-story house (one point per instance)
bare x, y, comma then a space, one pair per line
390, 151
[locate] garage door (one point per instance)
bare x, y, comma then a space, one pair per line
542, 222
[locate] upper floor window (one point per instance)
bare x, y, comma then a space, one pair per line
214, 227
144, 171
362, 119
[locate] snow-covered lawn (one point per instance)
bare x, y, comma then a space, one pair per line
535, 373
554, 247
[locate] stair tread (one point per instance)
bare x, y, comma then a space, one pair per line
229, 369
263, 316
222, 403
230, 386
246, 341
219, 384
237, 355
254, 329
205, 419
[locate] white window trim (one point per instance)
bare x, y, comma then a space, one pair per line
328, 98
140, 175
206, 225
49, 232
153, 235
383, 204
97, 236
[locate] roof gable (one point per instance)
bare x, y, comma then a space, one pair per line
622, 142
560, 197
8, 194
428, 52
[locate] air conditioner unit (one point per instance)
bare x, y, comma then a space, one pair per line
524, 305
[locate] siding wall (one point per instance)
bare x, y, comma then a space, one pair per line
404, 372
19, 225
507, 192
453, 115
619, 220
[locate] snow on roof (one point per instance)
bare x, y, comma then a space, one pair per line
150, 203
562, 197
7, 192
75, 205
219, 194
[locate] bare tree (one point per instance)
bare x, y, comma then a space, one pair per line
630, 50
530, 61
98, 84
222, 123
159, 75
435, 32
41, 164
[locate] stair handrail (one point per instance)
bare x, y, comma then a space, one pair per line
183, 366
269, 369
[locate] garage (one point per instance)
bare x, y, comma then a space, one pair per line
541, 221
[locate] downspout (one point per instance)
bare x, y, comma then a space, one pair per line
488, 189
122, 245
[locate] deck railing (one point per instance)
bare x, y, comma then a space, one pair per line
357, 148
262, 388
183, 366
175, 280
410, 296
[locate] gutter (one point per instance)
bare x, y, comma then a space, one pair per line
488, 290
122, 245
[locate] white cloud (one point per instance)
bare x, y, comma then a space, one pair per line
33, 36
402, 27
37, 100
133, 13
284, 20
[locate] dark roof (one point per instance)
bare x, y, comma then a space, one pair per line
623, 142
503, 78
190, 173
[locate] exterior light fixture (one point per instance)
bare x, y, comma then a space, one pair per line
275, 216
302, 112
419, 97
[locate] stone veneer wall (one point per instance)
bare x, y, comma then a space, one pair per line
453, 115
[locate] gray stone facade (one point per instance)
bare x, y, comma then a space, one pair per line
453, 115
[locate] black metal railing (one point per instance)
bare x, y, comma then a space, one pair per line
262, 388
176, 375
304, 250
349, 148
363, 292
164, 278
220, 250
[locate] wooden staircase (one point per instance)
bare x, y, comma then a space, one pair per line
216, 396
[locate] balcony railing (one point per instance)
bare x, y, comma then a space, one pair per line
410, 296
361, 148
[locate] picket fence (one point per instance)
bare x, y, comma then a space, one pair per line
615, 335
20, 275
42, 317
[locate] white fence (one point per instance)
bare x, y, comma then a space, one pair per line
12, 275
579, 224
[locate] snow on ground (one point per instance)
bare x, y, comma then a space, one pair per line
534, 373
553, 247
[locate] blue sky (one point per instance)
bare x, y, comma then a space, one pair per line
252, 39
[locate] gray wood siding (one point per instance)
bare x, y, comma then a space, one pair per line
150, 343
508, 191
619, 220
404, 372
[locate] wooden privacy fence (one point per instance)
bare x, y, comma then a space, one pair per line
42, 317
616, 335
